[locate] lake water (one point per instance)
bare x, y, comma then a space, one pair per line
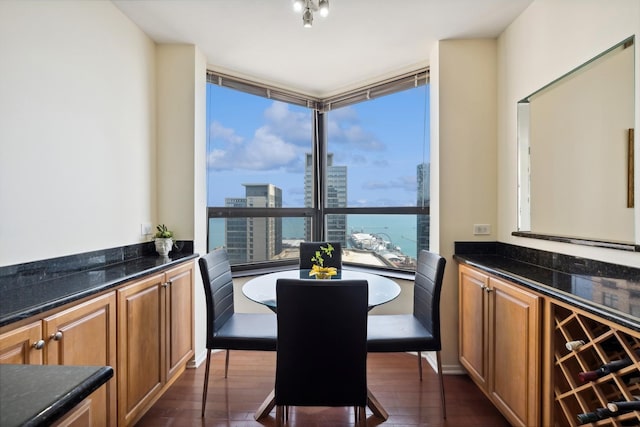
398, 229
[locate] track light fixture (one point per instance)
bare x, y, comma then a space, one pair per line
308, 7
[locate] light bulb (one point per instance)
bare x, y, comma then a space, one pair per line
298, 5
307, 18
324, 8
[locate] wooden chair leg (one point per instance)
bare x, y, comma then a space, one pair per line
444, 406
420, 364
206, 381
226, 364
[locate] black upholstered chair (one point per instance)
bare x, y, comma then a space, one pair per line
226, 329
419, 331
322, 345
308, 250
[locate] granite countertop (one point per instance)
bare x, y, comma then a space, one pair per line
34, 395
613, 294
23, 298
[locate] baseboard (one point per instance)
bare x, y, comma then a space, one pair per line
456, 369
430, 356
198, 359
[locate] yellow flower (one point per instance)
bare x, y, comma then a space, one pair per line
322, 272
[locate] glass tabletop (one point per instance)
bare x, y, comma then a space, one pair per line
262, 289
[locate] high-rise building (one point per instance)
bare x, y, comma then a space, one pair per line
254, 239
336, 229
422, 226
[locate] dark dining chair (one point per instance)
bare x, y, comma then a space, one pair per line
419, 331
322, 345
226, 329
308, 250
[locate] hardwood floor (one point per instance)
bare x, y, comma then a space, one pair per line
393, 379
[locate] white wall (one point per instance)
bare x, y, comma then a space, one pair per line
77, 129
463, 126
547, 40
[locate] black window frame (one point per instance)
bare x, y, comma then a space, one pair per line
318, 212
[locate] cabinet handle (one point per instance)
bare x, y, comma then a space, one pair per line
166, 284
57, 336
38, 345
488, 290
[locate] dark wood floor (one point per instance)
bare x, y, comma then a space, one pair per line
392, 378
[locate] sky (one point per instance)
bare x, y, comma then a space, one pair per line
255, 140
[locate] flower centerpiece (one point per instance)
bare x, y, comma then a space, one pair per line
163, 240
318, 269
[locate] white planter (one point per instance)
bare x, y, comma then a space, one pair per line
163, 246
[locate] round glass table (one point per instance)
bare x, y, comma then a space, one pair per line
262, 289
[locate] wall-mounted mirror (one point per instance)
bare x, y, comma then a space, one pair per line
576, 154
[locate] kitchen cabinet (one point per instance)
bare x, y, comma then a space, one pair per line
84, 334
500, 343
80, 416
143, 328
23, 345
155, 338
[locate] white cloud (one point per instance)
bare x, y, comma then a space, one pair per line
278, 143
226, 134
345, 129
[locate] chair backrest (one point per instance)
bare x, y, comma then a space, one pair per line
308, 250
218, 289
322, 343
427, 289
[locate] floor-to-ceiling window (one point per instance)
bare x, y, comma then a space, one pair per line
284, 168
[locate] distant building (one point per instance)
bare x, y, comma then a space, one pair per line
254, 239
422, 226
336, 230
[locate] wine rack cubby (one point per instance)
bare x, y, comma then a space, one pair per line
605, 344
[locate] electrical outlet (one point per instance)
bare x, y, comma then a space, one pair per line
145, 228
481, 229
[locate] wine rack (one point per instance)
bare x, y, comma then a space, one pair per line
604, 342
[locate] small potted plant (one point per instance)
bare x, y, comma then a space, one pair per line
318, 269
163, 240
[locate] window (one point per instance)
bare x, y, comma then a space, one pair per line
283, 168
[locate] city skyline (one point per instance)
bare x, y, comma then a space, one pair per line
256, 140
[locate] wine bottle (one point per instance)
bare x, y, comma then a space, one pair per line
597, 415
624, 406
605, 369
574, 345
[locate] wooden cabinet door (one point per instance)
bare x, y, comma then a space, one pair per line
86, 335
80, 416
514, 354
179, 318
473, 328
141, 335
23, 346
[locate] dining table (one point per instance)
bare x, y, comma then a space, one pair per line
262, 289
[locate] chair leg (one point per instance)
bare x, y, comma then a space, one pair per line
206, 381
360, 415
226, 364
444, 406
280, 415
420, 364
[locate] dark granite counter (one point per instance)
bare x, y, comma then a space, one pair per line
38, 395
607, 290
33, 288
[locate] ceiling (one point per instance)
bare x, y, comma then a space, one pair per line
360, 42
